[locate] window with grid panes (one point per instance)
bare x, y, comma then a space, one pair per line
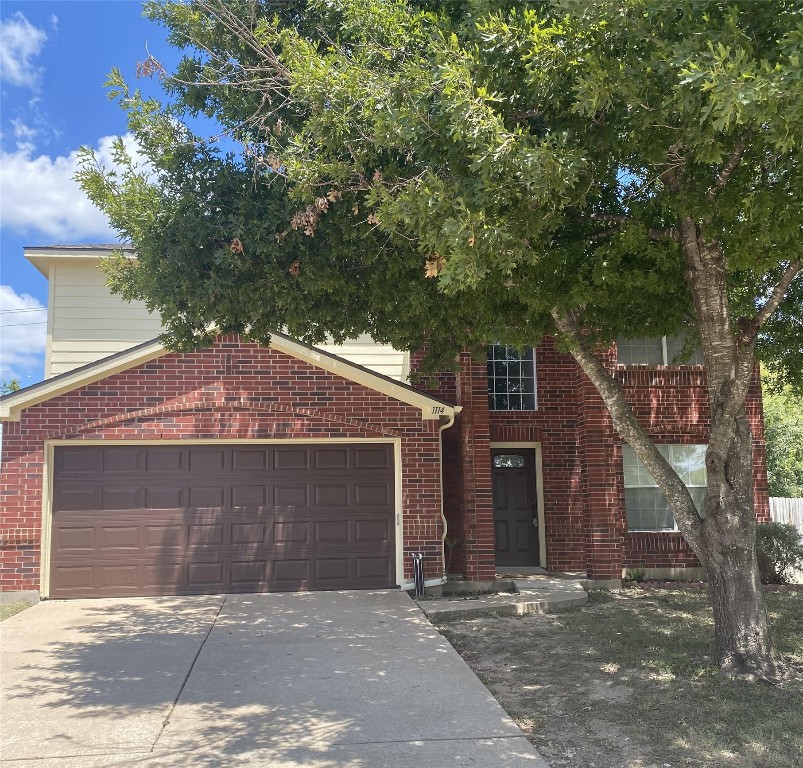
511, 379
647, 507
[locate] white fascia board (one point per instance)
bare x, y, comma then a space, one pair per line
12, 406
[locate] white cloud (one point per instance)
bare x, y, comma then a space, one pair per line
22, 131
39, 196
20, 43
23, 328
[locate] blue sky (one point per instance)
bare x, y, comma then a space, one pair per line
54, 59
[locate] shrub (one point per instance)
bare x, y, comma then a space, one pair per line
780, 550
635, 575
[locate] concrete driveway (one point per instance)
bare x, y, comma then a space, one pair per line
324, 679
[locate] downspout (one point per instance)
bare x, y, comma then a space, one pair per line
448, 423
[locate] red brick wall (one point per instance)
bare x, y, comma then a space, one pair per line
232, 391
584, 508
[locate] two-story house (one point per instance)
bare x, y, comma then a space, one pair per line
135, 470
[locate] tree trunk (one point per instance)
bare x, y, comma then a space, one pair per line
726, 548
726, 541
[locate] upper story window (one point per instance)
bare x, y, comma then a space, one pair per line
662, 350
511, 379
647, 507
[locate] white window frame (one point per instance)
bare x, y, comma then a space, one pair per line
664, 354
527, 356
668, 452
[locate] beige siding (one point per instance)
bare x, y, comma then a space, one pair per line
88, 322
380, 358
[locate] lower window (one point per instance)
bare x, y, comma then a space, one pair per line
647, 507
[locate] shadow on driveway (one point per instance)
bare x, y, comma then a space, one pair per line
319, 679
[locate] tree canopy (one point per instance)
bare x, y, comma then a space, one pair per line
526, 156
783, 427
448, 174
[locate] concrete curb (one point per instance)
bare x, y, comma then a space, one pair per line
533, 596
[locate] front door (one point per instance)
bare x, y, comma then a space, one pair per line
515, 506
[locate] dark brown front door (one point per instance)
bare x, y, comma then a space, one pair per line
515, 507
161, 520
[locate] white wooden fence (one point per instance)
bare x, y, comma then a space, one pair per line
787, 511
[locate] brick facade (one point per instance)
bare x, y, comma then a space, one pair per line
581, 462
240, 391
232, 391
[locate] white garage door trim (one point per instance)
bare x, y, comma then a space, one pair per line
47, 485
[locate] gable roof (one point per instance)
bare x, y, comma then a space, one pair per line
12, 405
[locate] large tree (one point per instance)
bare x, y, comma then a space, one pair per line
451, 173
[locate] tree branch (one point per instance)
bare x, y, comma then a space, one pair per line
627, 425
734, 159
772, 303
745, 355
656, 233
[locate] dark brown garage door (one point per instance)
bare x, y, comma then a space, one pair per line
148, 520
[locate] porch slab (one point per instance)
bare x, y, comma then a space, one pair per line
537, 593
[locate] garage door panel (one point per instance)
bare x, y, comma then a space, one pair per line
372, 494
160, 461
166, 577
76, 499
254, 519
207, 496
206, 534
164, 498
249, 574
373, 531
249, 495
113, 577
77, 461
163, 537
332, 495
202, 460
74, 579
290, 496
121, 498
289, 574
332, 569
207, 575
249, 533
372, 568
119, 539
366, 457
332, 458
122, 460
333, 532
290, 532
249, 458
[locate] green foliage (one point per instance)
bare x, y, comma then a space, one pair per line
635, 575
783, 429
780, 551
9, 385
515, 152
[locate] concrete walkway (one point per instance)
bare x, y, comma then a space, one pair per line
537, 593
348, 679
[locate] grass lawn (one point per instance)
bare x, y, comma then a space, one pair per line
628, 682
9, 609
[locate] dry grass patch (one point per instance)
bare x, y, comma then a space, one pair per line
7, 610
628, 682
